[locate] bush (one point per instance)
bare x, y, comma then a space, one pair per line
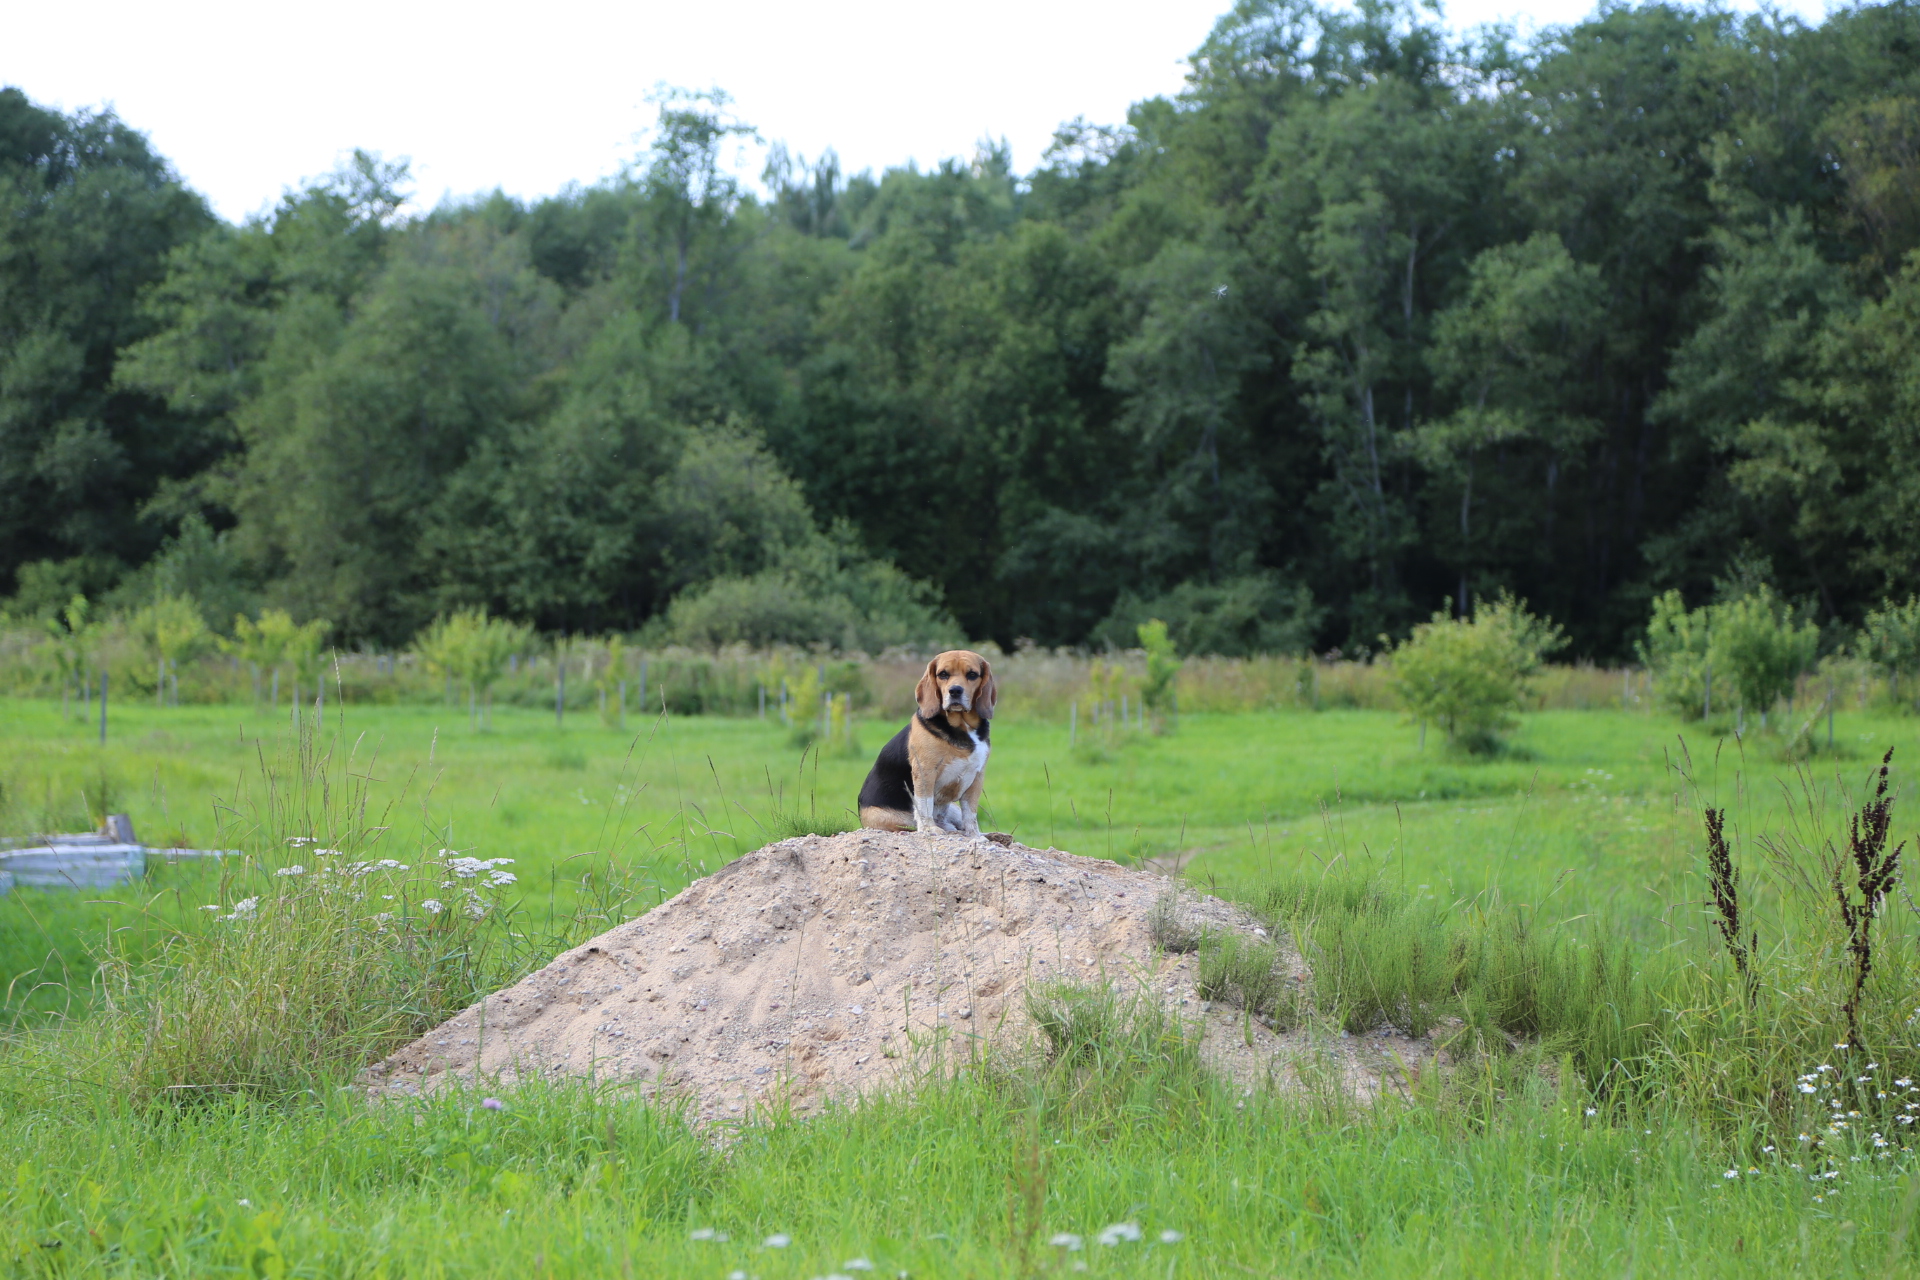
1238, 617
473, 648
1750, 648
829, 592
1890, 642
1468, 677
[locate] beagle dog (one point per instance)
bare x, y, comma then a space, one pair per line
929, 777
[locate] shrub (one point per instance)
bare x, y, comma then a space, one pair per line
473, 648
1748, 652
1890, 642
275, 639
172, 629
1468, 676
1235, 618
1157, 689
866, 608
1763, 652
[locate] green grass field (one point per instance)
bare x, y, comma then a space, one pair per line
1516, 1164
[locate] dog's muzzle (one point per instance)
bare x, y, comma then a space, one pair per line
957, 697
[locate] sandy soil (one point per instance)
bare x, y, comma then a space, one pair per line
820, 968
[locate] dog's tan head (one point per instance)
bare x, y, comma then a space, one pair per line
957, 680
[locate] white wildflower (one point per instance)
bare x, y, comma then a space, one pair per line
858, 1264
1731, 1173
1171, 1237
1066, 1240
700, 1233
295, 870
777, 1241
433, 906
501, 878
1115, 1232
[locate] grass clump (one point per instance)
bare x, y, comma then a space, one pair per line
315, 955
1168, 925
1247, 972
1483, 973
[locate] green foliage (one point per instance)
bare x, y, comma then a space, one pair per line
1761, 648
472, 648
274, 640
1890, 641
1241, 617
173, 628
1367, 311
1751, 646
1678, 651
1248, 973
1156, 690
89, 218
1469, 676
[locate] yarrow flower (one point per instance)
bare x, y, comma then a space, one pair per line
295, 870
433, 906
1066, 1240
469, 868
1116, 1232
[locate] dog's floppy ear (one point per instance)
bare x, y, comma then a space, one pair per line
983, 697
927, 692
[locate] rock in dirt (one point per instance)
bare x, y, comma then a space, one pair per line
824, 967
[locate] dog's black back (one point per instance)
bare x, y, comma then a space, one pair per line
889, 783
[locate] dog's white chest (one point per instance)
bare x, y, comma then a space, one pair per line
960, 774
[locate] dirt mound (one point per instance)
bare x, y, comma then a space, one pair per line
823, 967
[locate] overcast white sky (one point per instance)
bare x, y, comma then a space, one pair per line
248, 99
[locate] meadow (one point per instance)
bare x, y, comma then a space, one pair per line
1587, 831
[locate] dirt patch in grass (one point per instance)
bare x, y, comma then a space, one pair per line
823, 967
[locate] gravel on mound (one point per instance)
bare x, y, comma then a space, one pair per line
823, 967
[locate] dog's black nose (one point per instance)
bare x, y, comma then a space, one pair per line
957, 690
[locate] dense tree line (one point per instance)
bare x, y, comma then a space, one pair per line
1366, 319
